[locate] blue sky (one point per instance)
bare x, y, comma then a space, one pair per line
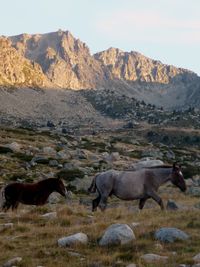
167, 30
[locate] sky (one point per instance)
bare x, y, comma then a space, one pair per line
166, 30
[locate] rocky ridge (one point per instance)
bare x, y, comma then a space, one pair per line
58, 60
67, 85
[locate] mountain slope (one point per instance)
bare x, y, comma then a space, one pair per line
15, 70
58, 60
66, 61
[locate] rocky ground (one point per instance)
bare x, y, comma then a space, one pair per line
44, 236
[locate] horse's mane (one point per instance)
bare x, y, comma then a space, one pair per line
158, 167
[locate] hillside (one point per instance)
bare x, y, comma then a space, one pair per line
42, 77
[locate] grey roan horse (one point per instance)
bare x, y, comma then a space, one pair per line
129, 185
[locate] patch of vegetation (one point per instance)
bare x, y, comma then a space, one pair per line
70, 174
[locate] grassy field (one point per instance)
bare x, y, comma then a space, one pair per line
35, 239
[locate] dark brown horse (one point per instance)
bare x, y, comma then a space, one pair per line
31, 194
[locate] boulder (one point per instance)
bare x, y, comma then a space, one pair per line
170, 235
81, 185
53, 163
156, 154
49, 215
151, 258
117, 234
171, 205
63, 154
14, 146
49, 150
79, 238
146, 163
12, 262
197, 258
40, 160
54, 198
194, 191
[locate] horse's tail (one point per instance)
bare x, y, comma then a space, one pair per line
92, 188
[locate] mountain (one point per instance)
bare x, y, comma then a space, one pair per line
63, 63
16, 70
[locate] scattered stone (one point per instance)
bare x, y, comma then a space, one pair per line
146, 163
49, 150
134, 224
197, 258
189, 182
156, 154
150, 258
40, 160
63, 154
12, 262
54, 198
5, 226
171, 205
170, 235
79, 238
170, 155
15, 147
81, 184
50, 215
53, 163
117, 234
74, 254
194, 191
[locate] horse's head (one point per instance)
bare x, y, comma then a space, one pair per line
177, 177
60, 187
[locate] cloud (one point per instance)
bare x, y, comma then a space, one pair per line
150, 26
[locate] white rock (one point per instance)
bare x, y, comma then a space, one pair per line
49, 150
54, 198
12, 262
170, 235
79, 238
50, 215
14, 146
117, 234
197, 258
149, 258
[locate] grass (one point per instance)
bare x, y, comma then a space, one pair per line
35, 239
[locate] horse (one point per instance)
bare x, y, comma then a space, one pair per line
130, 185
31, 193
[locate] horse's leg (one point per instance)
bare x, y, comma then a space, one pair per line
15, 205
95, 203
155, 197
103, 202
6, 206
142, 202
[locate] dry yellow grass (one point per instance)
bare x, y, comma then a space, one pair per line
35, 239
